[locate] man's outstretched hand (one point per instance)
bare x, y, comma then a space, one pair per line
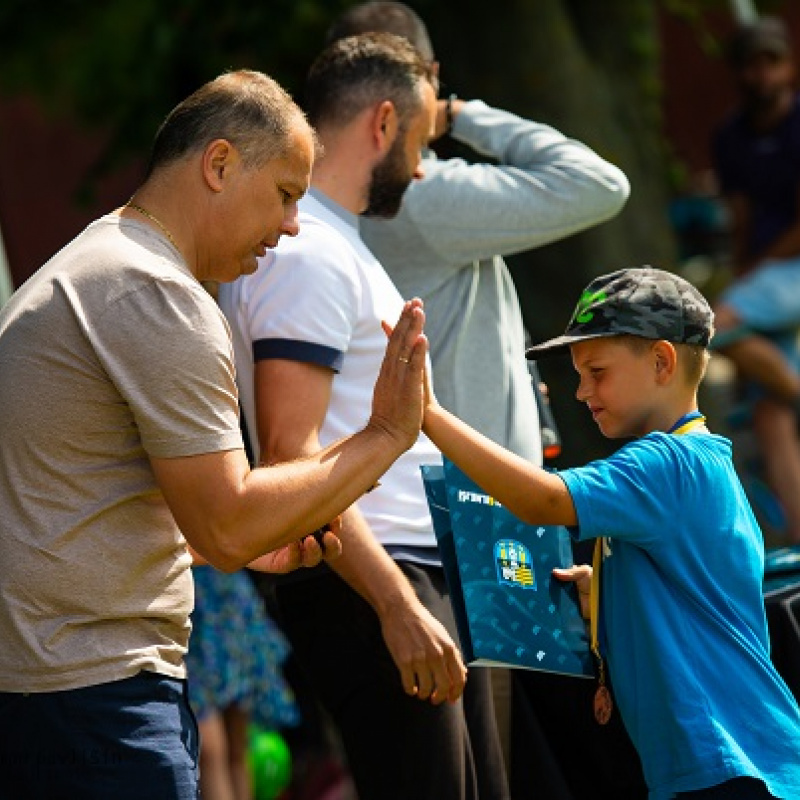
398, 397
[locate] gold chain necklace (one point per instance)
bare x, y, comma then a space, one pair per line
158, 222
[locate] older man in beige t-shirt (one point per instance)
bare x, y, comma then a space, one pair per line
120, 444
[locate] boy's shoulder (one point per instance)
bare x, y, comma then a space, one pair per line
695, 444
667, 454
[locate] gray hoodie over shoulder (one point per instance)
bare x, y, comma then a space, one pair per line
446, 246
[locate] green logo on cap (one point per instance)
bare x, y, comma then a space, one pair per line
587, 299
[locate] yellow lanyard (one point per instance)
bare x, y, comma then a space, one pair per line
694, 421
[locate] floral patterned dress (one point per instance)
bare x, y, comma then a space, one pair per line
236, 652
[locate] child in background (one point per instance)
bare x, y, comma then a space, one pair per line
234, 663
681, 613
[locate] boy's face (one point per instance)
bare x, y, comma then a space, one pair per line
618, 384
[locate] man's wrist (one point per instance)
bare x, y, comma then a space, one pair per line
396, 600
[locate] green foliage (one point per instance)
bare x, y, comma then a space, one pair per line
695, 14
588, 67
121, 66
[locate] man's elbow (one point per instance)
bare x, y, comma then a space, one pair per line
228, 563
224, 557
221, 545
617, 191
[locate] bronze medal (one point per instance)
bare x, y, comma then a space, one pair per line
603, 705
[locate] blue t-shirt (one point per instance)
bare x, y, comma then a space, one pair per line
685, 632
765, 167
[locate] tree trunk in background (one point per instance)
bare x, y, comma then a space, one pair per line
590, 69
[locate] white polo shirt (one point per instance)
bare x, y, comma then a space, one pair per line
319, 298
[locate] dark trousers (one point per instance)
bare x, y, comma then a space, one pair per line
558, 750
398, 747
129, 739
736, 789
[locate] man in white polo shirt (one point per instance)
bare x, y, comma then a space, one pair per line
307, 337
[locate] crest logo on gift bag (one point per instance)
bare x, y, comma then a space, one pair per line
514, 565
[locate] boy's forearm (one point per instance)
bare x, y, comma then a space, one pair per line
530, 493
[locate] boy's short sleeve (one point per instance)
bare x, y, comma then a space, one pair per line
628, 496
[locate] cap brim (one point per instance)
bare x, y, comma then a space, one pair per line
559, 345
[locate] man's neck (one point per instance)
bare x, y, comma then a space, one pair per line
343, 173
339, 189
335, 207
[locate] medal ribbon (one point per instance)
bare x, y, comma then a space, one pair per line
688, 422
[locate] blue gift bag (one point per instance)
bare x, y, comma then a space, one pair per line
509, 609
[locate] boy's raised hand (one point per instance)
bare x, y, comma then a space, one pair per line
397, 402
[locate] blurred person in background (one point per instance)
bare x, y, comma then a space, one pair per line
757, 161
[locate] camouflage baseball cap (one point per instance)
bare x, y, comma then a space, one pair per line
645, 302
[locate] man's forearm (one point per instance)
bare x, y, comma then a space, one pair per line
246, 513
426, 657
314, 489
368, 568
545, 187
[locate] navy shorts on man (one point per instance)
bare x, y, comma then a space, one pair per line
125, 740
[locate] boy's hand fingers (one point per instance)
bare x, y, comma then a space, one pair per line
581, 576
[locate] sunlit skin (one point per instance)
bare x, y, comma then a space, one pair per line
254, 207
630, 392
421, 130
222, 214
402, 163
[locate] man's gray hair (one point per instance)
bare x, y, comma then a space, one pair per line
247, 108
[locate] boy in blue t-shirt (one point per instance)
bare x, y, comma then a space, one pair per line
683, 627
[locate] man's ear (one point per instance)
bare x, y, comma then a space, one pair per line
665, 360
218, 159
385, 125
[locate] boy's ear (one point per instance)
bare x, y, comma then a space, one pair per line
665, 357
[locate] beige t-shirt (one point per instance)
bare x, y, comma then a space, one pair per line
111, 353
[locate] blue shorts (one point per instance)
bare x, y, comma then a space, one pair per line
128, 740
767, 299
